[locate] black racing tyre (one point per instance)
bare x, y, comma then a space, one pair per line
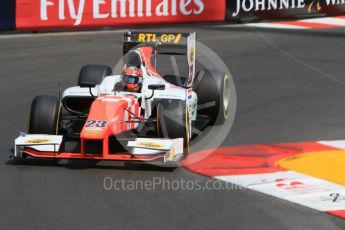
45, 115
173, 121
93, 74
213, 90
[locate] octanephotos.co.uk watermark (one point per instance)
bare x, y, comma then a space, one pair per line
164, 184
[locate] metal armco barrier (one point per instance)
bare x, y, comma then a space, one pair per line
7, 14
74, 14
245, 10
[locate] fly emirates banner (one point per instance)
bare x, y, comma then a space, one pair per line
50, 14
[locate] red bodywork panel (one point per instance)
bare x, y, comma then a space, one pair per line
109, 117
146, 54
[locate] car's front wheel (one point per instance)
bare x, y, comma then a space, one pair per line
45, 115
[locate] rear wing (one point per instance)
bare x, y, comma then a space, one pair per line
165, 43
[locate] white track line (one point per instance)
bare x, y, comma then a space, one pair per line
295, 187
327, 21
47, 34
274, 25
332, 21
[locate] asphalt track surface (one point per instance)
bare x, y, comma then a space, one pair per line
290, 87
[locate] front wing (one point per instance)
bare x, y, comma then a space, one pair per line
140, 149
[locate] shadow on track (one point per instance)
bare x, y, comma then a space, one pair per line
87, 164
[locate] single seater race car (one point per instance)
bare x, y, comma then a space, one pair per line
137, 115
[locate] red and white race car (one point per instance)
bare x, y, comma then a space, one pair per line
137, 115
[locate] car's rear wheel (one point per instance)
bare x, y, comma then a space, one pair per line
45, 115
213, 90
173, 121
93, 75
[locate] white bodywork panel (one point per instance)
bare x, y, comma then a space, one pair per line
107, 85
191, 55
171, 92
42, 143
150, 146
78, 91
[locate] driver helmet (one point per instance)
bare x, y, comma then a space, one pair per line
132, 78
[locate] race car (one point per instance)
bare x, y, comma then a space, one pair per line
138, 114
